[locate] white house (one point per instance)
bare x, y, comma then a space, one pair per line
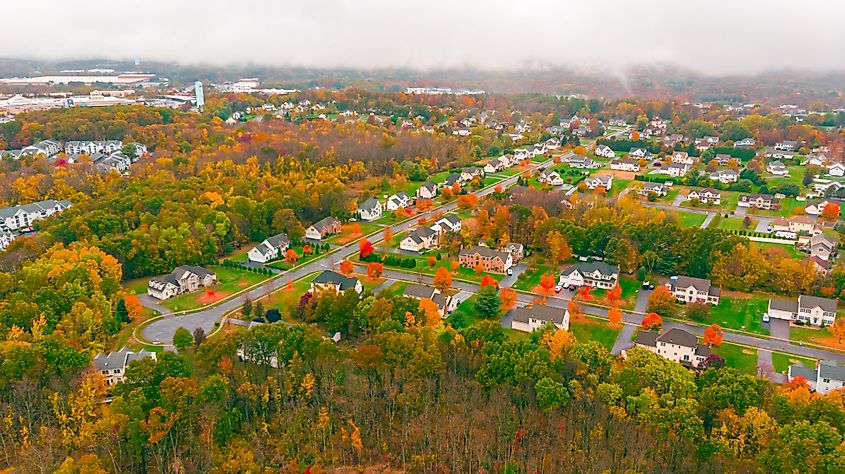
400, 199
605, 151
675, 170
675, 344
22, 217
625, 165
323, 228
836, 169
6, 239
812, 310
419, 240
825, 378
683, 158
184, 279
445, 303
331, 280
705, 196
113, 365
531, 318
657, 189
745, 143
759, 201
594, 182
693, 290
46, 148
493, 166
822, 246
593, 274
427, 190
370, 209
638, 153
777, 168
271, 248
550, 177
725, 176
450, 223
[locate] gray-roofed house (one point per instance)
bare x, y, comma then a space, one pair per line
826, 377
822, 246
331, 280
693, 290
657, 189
675, 344
811, 310
725, 176
760, 201
516, 250
21, 217
370, 210
400, 199
420, 239
593, 274
427, 190
450, 223
531, 318
113, 365
468, 174
445, 303
184, 279
594, 182
323, 228
452, 179
271, 248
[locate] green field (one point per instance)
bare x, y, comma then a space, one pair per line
689, 219
740, 312
594, 330
137, 286
783, 361
736, 357
461, 273
736, 223
283, 264
795, 176
618, 186
230, 281
529, 279
790, 249
507, 172
630, 287
286, 299
787, 206
464, 315
353, 231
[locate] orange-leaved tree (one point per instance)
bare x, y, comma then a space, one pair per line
547, 285
430, 312
508, 298
615, 316
374, 270
432, 261
291, 256
468, 201
714, 335
442, 279
347, 267
614, 294
830, 211
133, 306
365, 248
652, 321
574, 310
488, 280
837, 329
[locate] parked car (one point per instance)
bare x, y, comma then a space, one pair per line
558, 287
510, 271
647, 285
765, 317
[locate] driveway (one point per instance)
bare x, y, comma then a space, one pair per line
706, 223
148, 301
678, 200
509, 280
763, 224
779, 328
740, 211
642, 300
623, 340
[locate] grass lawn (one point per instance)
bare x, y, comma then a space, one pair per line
818, 336
690, 219
790, 249
630, 287
240, 254
787, 205
740, 311
124, 337
285, 265
287, 299
137, 286
446, 262
352, 231
795, 176
369, 283
440, 177
783, 361
735, 223
508, 172
531, 278
397, 288
618, 186
464, 315
740, 358
230, 281
394, 241
590, 329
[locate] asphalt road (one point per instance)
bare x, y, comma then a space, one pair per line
161, 331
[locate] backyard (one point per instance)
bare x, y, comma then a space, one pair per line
286, 299
590, 329
740, 311
229, 281
740, 358
689, 219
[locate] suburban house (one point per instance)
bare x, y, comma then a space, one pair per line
116, 161
468, 174
493, 166
759, 201
799, 224
779, 154
516, 250
825, 378
676, 345
605, 151
787, 145
370, 209
583, 163
427, 190
323, 228
808, 309
113, 365
745, 143
657, 189
672, 140
723, 159
445, 303
419, 240
706, 196
6, 239
398, 200
531, 318
552, 143
89, 147
675, 170
450, 223
820, 265
594, 182
777, 168
331, 280
184, 279
22, 217
836, 169
593, 274
550, 177
822, 246
491, 261
638, 153
816, 160
725, 176
270, 249
693, 290
815, 208
682, 158
452, 179
625, 164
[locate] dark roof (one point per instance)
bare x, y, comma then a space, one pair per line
591, 267
647, 338
368, 204
831, 370
324, 222
826, 304
418, 291
328, 276
699, 284
781, 304
278, 239
539, 312
679, 337
796, 370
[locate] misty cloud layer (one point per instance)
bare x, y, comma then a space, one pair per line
715, 37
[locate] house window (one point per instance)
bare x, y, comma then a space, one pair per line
826, 380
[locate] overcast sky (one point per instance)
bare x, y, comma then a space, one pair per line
712, 36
